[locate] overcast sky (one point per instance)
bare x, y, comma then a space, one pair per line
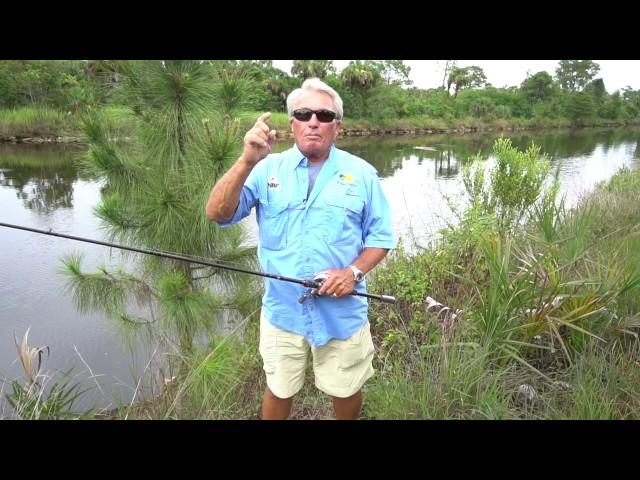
500, 73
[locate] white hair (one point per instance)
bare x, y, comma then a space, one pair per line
320, 86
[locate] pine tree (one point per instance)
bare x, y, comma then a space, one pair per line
156, 186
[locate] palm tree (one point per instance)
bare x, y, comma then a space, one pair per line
312, 68
360, 77
359, 74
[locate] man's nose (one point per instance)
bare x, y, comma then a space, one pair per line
314, 120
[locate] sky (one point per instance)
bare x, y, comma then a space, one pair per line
505, 73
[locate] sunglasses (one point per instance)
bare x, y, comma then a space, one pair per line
305, 114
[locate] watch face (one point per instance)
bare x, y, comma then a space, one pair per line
358, 276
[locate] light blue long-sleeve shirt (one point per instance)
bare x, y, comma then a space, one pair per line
298, 236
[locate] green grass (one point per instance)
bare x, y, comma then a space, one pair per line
278, 120
556, 315
35, 121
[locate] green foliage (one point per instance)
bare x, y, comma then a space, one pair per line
545, 335
549, 212
410, 284
631, 102
574, 75
538, 87
385, 102
63, 84
216, 379
597, 89
515, 184
467, 77
395, 72
431, 103
34, 402
358, 78
596, 388
611, 106
580, 108
42, 396
361, 74
445, 382
156, 186
371, 89
491, 103
232, 92
33, 122
103, 290
304, 69
482, 108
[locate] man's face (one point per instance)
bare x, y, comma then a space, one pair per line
314, 138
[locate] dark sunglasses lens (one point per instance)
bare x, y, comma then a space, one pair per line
325, 116
303, 114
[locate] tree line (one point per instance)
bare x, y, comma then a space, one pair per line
371, 89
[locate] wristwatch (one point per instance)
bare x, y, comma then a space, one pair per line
358, 275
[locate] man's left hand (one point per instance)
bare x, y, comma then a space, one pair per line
339, 284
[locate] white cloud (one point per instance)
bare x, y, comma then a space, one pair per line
500, 73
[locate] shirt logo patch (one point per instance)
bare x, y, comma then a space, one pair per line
345, 178
273, 183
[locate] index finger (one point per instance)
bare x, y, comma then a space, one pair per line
264, 117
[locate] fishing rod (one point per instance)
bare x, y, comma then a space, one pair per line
313, 285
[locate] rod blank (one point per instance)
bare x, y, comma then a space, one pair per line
185, 258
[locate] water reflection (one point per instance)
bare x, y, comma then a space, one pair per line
42, 177
421, 175
452, 151
446, 165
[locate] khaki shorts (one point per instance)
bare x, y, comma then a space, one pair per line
340, 367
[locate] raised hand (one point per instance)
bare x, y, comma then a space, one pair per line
259, 140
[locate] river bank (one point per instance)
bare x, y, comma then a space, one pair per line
70, 134
347, 132
45, 139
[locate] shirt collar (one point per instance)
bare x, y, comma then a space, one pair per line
297, 157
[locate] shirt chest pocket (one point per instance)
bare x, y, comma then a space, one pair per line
344, 219
274, 219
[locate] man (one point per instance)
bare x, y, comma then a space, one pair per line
319, 209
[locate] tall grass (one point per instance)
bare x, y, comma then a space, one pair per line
35, 122
42, 395
549, 316
43, 121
